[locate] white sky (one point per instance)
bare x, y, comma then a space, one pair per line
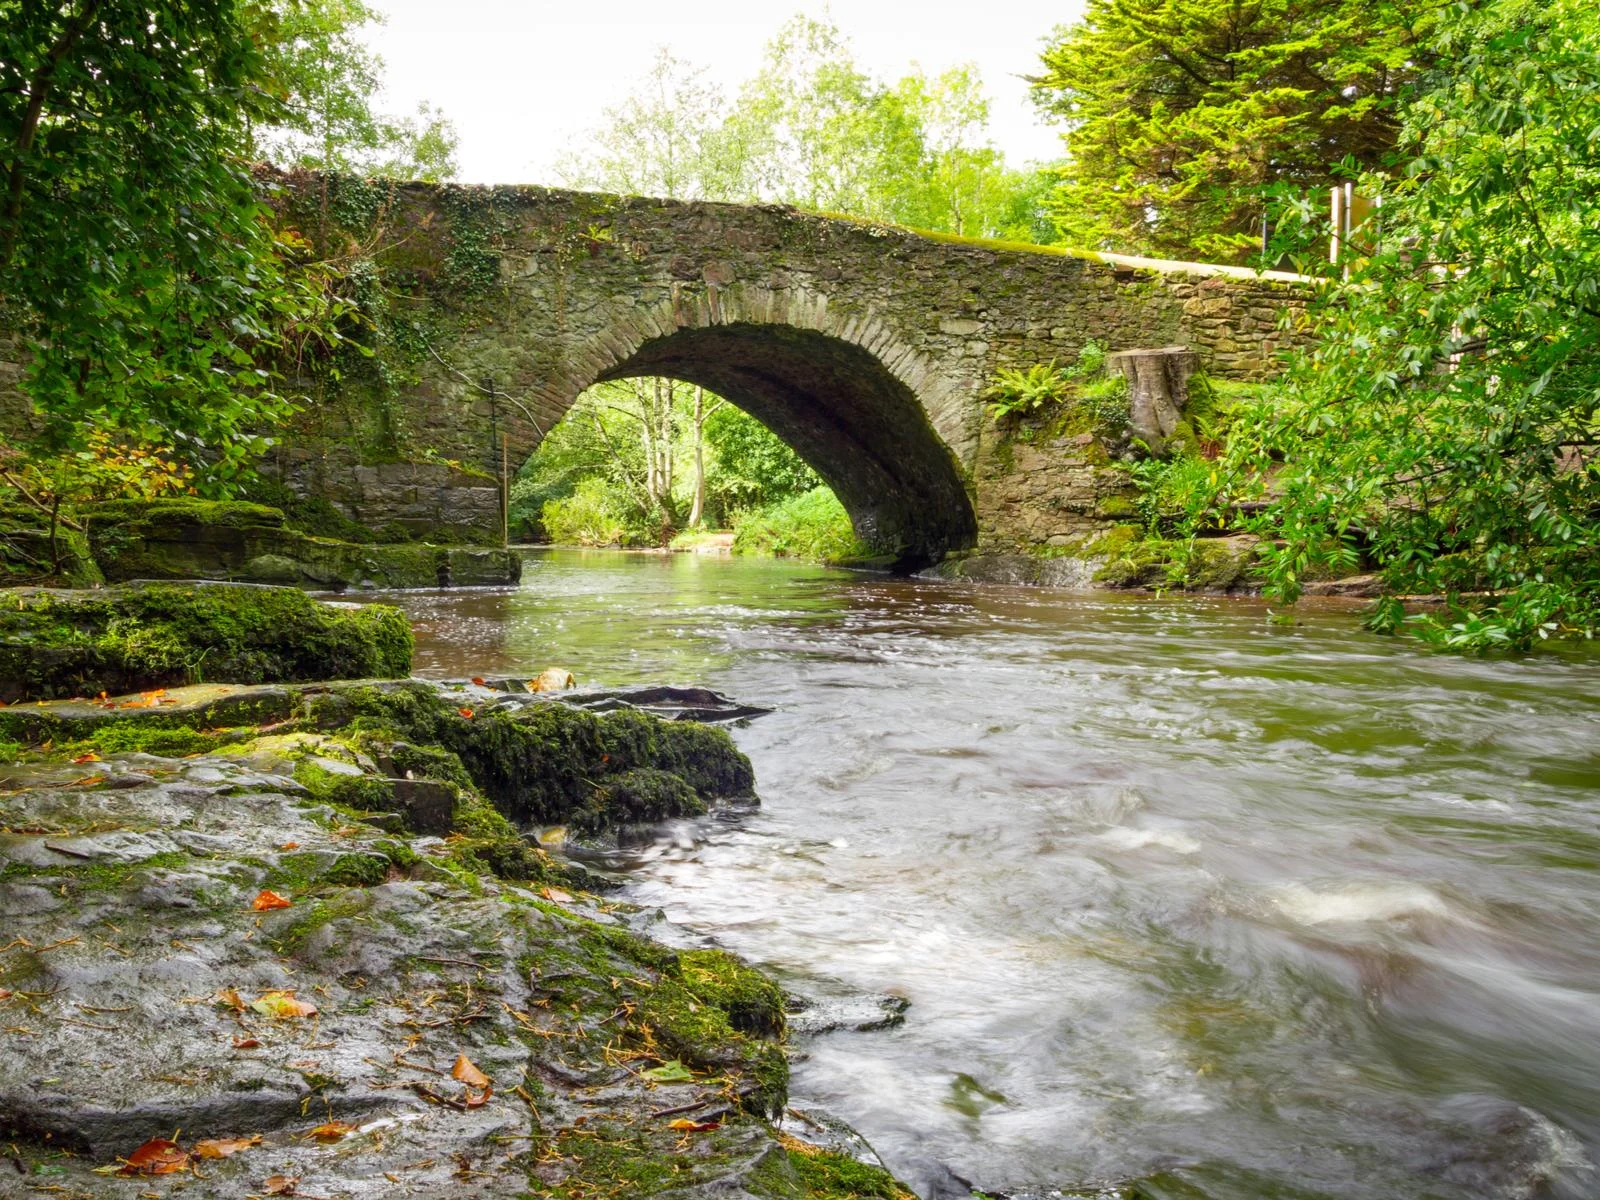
522, 80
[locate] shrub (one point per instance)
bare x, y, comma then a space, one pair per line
812, 526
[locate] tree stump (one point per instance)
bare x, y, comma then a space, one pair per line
1158, 389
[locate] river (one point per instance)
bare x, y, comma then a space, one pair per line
1174, 890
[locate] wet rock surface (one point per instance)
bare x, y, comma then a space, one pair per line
289, 937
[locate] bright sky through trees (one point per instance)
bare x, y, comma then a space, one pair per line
520, 80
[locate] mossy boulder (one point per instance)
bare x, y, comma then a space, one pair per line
56, 644
236, 540
29, 556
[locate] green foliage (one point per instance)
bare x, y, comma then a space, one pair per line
133, 253
1445, 429
318, 62
813, 526
1176, 113
589, 516
751, 466
811, 128
1027, 390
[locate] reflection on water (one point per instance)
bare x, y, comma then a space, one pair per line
1173, 891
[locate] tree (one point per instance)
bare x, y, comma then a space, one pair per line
812, 129
662, 140
1447, 428
1178, 113
326, 79
133, 247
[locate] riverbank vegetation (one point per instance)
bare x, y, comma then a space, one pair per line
1441, 434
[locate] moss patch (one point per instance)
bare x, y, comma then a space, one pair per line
56, 644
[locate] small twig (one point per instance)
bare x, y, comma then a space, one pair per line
684, 1108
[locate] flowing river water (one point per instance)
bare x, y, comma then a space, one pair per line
1174, 891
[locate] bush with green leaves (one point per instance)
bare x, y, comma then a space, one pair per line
813, 526
1020, 391
1446, 429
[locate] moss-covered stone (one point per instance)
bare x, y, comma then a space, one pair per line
121, 640
236, 540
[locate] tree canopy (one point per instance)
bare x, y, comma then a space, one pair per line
812, 129
1176, 114
1447, 427
131, 241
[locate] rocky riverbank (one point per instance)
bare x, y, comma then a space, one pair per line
299, 939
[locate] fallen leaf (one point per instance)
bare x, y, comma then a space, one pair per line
245, 1043
556, 894
290, 846
156, 1157
472, 1099
224, 1147
669, 1072
331, 1131
467, 1072
87, 781
282, 1006
554, 679
465, 712
478, 679
280, 1185
6, 993
230, 998
87, 758
684, 1125
265, 900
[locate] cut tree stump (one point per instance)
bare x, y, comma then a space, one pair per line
1158, 389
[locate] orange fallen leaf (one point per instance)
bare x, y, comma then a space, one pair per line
282, 1006
478, 679
465, 712
87, 758
684, 1125
265, 900
224, 1147
87, 781
156, 1157
230, 998
290, 846
467, 1072
331, 1131
6, 993
472, 1099
246, 1043
280, 1185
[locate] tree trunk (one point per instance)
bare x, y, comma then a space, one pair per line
1158, 389
698, 508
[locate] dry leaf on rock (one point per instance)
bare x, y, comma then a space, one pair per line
282, 1006
246, 1043
467, 1072
224, 1147
280, 1185
684, 1125
158, 1156
331, 1131
268, 900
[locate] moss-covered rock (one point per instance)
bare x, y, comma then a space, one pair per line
29, 554
119, 640
186, 538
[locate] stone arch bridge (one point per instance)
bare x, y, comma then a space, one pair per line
865, 347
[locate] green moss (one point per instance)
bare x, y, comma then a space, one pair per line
132, 737
126, 639
716, 1013
1118, 508
641, 795
805, 1173
357, 870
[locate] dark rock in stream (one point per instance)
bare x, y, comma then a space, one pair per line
812, 1016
